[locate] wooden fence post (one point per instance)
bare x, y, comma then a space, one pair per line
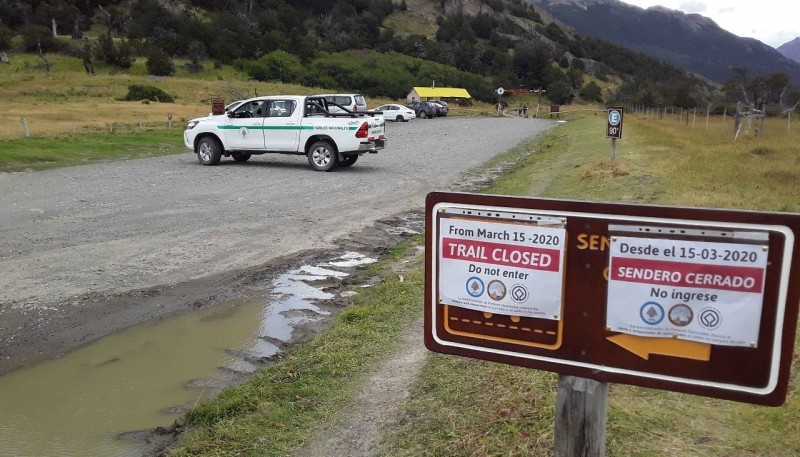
724, 115
25, 130
581, 416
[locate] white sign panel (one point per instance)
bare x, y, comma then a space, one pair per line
706, 292
501, 267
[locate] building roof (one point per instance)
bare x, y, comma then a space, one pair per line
442, 92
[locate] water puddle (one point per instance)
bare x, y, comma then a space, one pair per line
144, 376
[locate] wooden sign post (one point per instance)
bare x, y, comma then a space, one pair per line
689, 300
581, 416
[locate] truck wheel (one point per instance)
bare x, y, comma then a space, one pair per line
208, 150
348, 160
240, 156
322, 156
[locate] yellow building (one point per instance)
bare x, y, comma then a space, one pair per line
437, 93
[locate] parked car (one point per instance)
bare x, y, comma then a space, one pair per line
425, 110
352, 102
397, 112
441, 107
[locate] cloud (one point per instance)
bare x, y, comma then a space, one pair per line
729, 9
693, 6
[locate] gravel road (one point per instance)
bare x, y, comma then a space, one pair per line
85, 251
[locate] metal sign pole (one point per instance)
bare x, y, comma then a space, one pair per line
613, 149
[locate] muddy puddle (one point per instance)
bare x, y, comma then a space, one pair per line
147, 375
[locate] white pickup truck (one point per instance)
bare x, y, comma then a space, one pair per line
287, 124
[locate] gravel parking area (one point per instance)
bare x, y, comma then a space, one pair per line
86, 251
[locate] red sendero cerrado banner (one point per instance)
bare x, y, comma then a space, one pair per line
681, 274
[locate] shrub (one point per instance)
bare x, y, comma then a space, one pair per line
35, 35
5, 38
119, 56
159, 63
143, 92
591, 92
275, 66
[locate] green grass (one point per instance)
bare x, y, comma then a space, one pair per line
466, 407
274, 413
126, 142
463, 407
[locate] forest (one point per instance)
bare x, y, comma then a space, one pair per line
353, 45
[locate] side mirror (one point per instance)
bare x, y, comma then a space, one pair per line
230, 114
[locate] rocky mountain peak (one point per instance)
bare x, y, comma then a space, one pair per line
791, 49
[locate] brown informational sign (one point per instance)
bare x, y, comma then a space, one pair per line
217, 106
683, 299
614, 122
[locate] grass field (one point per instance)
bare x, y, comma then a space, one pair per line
476, 408
66, 100
464, 407
458, 407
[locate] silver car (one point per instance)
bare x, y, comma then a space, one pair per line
351, 102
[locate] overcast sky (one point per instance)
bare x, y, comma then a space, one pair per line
773, 22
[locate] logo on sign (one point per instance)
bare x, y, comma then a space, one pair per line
614, 117
681, 315
497, 290
651, 313
475, 286
519, 293
710, 318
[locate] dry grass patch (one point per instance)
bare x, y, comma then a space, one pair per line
69, 101
606, 168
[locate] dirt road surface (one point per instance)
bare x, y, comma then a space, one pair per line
86, 251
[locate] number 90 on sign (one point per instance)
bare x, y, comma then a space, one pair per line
614, 126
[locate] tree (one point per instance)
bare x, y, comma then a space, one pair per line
37, 38
276, 66
60, 11
776, 84
5, 38
591, 92
159, 63
15, 15
559, 88
117, 55
531, 62
197, 54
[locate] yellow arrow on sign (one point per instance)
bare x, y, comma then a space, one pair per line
643, 347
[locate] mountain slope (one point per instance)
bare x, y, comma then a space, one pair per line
690, 41
791, 50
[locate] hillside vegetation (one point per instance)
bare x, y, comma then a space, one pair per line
378, 47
